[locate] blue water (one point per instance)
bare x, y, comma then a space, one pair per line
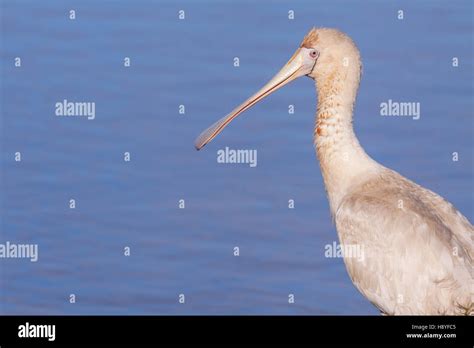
190, 251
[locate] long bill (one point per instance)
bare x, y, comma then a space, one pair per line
298, 65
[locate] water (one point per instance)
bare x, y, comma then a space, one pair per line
190, 62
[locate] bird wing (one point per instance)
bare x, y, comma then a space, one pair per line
418, 248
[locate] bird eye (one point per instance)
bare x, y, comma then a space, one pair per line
313, 53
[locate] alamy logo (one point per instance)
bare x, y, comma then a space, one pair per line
237, 156
84, 109
393, 108
22, 251
335, 250
37, 331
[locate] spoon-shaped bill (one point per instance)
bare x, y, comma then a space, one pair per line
300, 64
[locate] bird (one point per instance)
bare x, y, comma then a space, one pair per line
418, 248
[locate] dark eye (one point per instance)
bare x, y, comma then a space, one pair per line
313, 53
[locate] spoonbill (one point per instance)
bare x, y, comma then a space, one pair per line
418, 249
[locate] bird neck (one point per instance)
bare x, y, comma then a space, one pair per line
343, 161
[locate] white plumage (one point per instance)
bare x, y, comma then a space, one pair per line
418, 249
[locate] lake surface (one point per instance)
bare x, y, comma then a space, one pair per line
190, 62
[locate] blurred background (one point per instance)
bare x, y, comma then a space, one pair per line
190, 62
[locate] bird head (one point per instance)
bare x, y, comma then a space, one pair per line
322, 52
335, 50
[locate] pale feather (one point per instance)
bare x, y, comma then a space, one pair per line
418, 248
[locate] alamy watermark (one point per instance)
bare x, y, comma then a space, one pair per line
21, 251
82, 109
237, 156
404, 109
335, 250
28, 330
